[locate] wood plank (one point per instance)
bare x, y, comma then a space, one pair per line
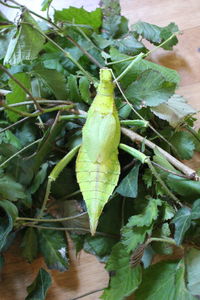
85, 275
185, 58
185, 13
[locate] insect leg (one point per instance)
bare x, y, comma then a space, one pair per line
55, 173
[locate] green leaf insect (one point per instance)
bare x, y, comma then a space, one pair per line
97, 165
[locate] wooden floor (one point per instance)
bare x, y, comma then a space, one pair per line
86, 273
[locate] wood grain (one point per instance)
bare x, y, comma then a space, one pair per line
86, 273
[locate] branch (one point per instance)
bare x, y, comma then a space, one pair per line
39, 101
175, 162
70, 229
22, 86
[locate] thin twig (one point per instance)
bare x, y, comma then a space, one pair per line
38, 113
51, 220
22, 86
10, 6
89, 293
39, 101
14, 124
169, 171
69, 229
179, 165
93, 60
19, 152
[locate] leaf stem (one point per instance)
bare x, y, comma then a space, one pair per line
164, 186
51, 220
19, 152
22, 86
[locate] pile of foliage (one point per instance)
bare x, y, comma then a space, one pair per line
48, 76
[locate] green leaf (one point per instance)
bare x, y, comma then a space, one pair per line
110, 220
128, 187
26, 43
160, 159
11, 190
182, 222
163, 281
196, 210
45, 4
133, 237
192, 260
84, 87
60, 188
113, 24
6, 222
149, 214
151, 88
79, 16
163, 248
99, 246
156, 34
184, 143
183, 187
29, 245
53, 79
38, 289
100, 41
169, 211
39, 178
181, 292
139, 226
78, 241
125, 279
13, 139
10, 208
53, 247
17, 95
129, 45
148, 31
174, 110
73, 88
26, 134
5, 36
